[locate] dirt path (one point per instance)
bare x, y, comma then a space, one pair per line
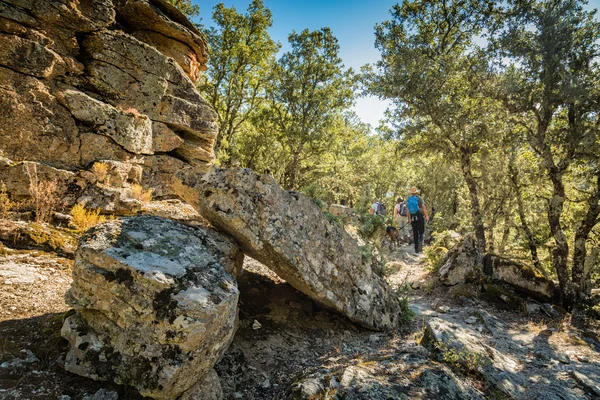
527, 353
287, 345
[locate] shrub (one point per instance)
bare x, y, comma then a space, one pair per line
138, 193
406, 314
320, 203
334, 218
369, 224
460, 360
100, 171
44, 194
435, 257
84, 219
6, 204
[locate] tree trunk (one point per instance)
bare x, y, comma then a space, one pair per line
476, 216
506, 228
293, 171
581, 236
490, 236
560, 254
514, 178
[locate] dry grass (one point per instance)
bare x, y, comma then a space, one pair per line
6, 204
84, 219
44, 195
100, 171
132, 111
138, 193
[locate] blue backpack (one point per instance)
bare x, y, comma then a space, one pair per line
413, 204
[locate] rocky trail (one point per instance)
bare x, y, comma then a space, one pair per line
289, 347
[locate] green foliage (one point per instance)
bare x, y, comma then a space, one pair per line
239, 69
460, 360
480, 131
309, 90
406, 314
334, 218
435, 257
369, 223
366, 252
189, 9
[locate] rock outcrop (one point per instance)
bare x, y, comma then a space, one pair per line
500, 370
460, 263
156, 304
461, 266
288, 233
100, 81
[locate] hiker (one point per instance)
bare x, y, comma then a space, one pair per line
377, 208
374, 206
399, 212
417, 216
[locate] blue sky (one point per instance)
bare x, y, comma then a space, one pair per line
351, 21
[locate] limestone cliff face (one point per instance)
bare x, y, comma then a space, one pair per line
91, 81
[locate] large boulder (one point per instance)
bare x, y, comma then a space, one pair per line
460, 263
471, 354
156, 304
461, 266
288, 233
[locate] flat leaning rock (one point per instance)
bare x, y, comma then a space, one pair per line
155, 302
288, 233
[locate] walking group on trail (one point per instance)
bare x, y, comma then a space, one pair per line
413, 212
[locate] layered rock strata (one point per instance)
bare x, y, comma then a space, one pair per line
288, 233
156, 304
91, 81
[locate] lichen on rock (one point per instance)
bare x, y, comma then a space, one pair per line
288, 233
156, 304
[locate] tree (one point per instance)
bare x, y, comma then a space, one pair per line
189, 9
436, 78
241, 59
551, 88
309, 88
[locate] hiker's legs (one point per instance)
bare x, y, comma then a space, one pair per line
421, 229
414, 222
405, 231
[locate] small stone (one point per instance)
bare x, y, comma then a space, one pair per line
550, 311
586, 382
374, 338
471, 320
533, 308
417, 285
295, 305
63, 397
266, 384
443, 309
256, 325
563, 358
582, 358
238, 395
103, 394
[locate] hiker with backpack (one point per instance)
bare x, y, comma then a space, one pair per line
377, 208
400, 211
417, 216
